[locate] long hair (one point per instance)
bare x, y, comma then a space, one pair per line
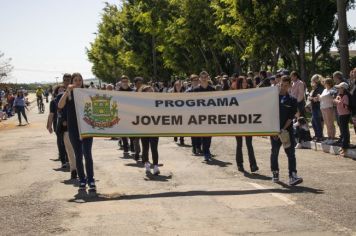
77, 75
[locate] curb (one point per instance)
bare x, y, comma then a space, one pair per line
333, 150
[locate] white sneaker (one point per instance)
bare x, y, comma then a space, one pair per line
298, 146
330, 142
148, 167
156, 170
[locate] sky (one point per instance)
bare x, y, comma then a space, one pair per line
46, 38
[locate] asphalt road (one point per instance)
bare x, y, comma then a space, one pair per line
190, 197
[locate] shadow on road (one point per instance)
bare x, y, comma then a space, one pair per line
159, 178
256, 176
216, 162
61, 169
83, 198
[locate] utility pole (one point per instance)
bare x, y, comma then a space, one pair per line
343, 37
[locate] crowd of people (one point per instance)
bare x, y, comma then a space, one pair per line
330, 99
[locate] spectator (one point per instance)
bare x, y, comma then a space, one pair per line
327, 109
315, 106
298, 92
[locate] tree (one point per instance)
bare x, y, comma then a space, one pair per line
5, 67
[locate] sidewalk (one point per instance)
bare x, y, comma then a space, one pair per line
332, 149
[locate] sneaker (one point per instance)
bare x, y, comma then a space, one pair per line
82, 184
156, 170
294, 179
298, 146
64, 166
73, 174
254, 169
275, 176
148, 167
199, 151
194, 151
92, 185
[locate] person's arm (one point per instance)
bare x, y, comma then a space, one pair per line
49, 122
66, 95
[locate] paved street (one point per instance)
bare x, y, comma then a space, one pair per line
188, 198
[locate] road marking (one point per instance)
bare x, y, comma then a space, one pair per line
341, 172
276, 195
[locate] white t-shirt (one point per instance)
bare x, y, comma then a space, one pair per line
326, 99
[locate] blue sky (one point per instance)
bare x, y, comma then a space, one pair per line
46, 38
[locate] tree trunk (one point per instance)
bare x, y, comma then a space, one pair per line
302, 55
343, 37
313, 64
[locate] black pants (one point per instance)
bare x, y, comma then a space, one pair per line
83, 147
251, 153
345, 132
19, 111
61, 148
146, 143
125, 142
290, 152
206, 141
196, 142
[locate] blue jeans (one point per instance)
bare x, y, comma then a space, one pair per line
83, 147
290, 152
316, 122
21, 110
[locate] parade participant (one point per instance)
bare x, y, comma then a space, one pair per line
52, 125
39, 94
148, 142
20, 106
124, 86
81, 146
205, 87
178, 88
243, 84
287, 111
196, 141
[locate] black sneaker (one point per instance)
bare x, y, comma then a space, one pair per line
295, 180
73, 174
82, 185
64, 166
194, 151
254, 169
92, 185
240, 168
275, 176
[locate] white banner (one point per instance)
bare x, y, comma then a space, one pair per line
250, 112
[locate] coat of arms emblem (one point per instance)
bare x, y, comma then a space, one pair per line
101, 113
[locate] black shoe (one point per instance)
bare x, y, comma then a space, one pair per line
199, 151
254, 169
240, 168
275, 176
92, 185
64, 166
137, 157
194, 151
73, 174
82, 184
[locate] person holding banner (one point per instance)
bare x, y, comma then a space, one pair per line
287, 110
178, 88
205, 87
124, 86
148, 142
81, 146
242, 83
196, 141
